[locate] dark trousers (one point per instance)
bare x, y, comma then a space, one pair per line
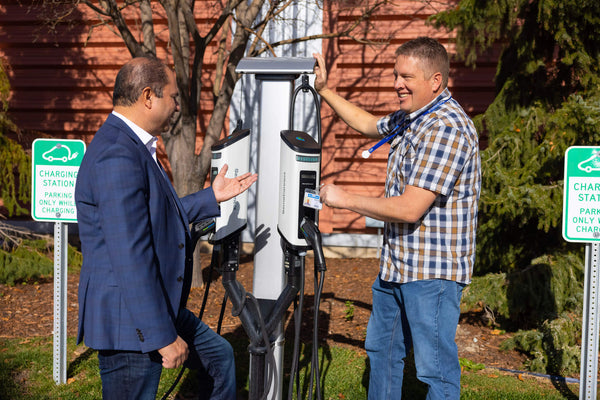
135, 375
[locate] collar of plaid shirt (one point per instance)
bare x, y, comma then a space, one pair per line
401, 126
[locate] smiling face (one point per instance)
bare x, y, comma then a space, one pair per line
415, 86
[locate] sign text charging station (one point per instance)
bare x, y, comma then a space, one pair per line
581, 223
54, 171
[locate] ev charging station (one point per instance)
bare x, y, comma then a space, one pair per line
276, 78
289, 164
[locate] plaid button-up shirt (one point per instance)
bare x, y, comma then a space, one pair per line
437, 149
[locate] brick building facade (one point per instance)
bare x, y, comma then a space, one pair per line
61, 82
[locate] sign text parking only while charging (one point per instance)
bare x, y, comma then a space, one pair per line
581, 206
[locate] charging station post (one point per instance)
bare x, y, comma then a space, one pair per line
276, 76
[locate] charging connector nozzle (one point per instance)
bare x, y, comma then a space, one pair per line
313, 237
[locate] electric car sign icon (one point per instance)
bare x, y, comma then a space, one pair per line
56, 153
591, 164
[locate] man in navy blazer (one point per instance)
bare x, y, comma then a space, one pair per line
137, 255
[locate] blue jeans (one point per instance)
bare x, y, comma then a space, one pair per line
421, 314
134, 375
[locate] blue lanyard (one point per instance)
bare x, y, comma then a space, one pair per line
397, 129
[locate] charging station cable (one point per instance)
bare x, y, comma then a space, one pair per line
305, 87
298, 305
313, 237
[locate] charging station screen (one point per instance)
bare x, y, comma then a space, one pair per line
214, 171
308, 180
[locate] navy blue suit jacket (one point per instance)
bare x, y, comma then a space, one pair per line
135, 240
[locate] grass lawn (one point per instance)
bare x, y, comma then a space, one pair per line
26, 373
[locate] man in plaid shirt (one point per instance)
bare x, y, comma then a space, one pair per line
430, 212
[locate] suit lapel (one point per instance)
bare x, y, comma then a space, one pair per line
157, 169
174, 197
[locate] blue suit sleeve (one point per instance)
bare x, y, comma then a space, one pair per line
201, 205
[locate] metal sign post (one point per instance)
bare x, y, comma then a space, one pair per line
54, 169
59, 369
589, 325
581, 223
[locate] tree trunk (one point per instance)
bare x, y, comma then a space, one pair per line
184, 167
149, 42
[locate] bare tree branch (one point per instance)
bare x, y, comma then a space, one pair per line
98, 10
117, 18
12, 236
221, 56
181, 71
149, 45
259, 28
227, 11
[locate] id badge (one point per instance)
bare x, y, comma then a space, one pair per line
312, 199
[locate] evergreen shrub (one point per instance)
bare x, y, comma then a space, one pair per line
15, 163
543, 303
33, 260
547, 99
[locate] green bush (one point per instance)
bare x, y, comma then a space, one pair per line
549, 287
33, 260
543, 302
15, 163
552, 349
520, 215
488, 291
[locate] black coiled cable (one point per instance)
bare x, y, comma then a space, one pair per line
305, 87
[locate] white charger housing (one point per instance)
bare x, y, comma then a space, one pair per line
234, 151
300, 169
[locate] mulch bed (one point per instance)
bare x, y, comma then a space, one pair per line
26, 310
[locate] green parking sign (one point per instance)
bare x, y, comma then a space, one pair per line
54, 169
581, 202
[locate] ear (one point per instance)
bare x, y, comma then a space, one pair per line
146, 97
436, 82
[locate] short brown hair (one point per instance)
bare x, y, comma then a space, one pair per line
431, 53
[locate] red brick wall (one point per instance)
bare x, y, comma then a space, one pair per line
62, 82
